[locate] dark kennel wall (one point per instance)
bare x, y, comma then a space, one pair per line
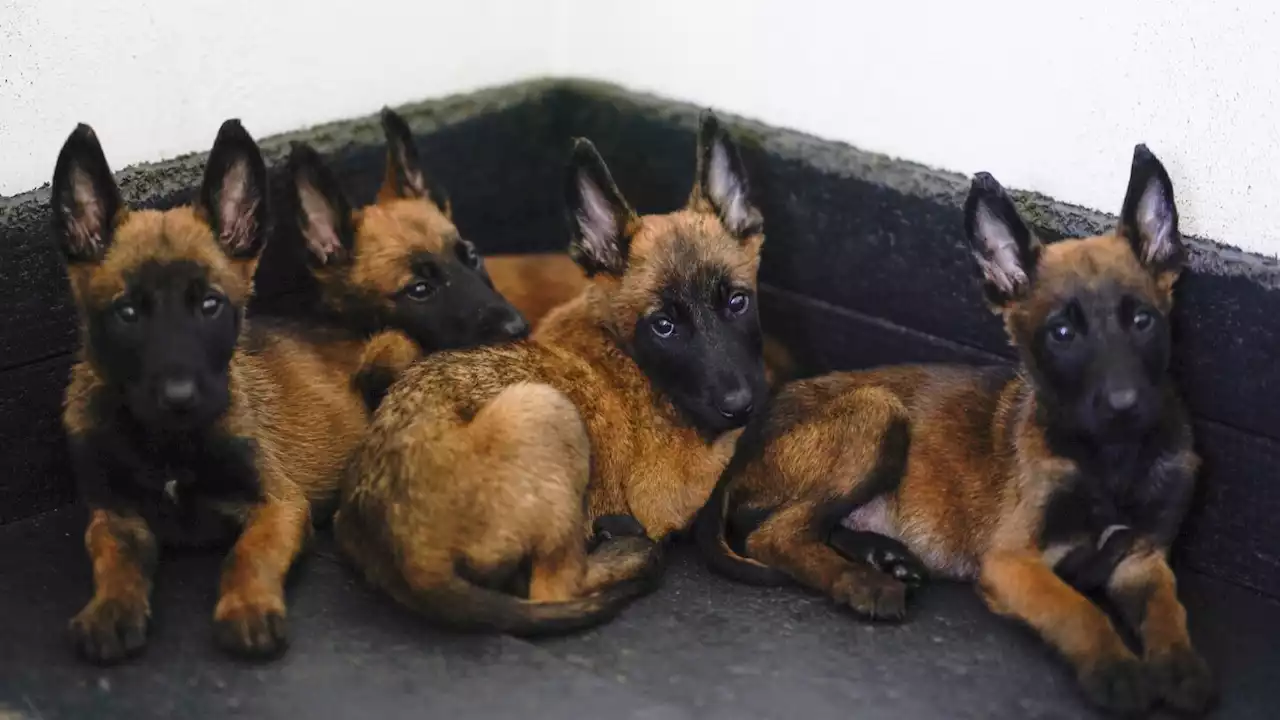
864, 264
499, 151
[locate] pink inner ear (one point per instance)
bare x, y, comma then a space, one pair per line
415, 182
320, 228
84, 229
237, 213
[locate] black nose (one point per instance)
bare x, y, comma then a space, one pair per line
515, 327
1122, 400
178, 394
736, 404
506, 323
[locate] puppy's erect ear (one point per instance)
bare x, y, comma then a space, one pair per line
722, 180
1149, 218
233, 197
85, 202
600, 221
321, 211
1002, 244
405, 176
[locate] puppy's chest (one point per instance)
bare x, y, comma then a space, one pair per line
1090, 503
1093, 518
670, 475
199, 497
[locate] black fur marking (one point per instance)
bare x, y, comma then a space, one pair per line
1138, 487
170, 337
609, 527
82, 156
741, 522
1087, 568
710, 525
712, 356
171, 482
1105, 352
373, 383
459, 308
883, 553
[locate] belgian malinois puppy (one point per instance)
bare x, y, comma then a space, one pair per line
399, 263
1073, 470
497, 462
537, 283
185, 425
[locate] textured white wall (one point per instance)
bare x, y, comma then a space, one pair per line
156, 78
1047, 96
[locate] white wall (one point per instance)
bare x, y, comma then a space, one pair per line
156, 78
1047, 96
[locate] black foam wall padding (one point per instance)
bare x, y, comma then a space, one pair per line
864, 264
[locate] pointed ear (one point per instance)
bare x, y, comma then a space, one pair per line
1149, 218
1001, 242
85, 200
405, 176
722, 180
233, 198
600, 221
321, 211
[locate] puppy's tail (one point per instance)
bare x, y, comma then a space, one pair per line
467, 607
709, 526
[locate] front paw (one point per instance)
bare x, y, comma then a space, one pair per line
1119, 686
883, 553
1182, 680
251, 626
871, 594
110, 629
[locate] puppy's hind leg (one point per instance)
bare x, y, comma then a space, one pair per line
789, 541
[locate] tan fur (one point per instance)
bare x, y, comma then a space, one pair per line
485, 457
293, 398
537, 283
388, 234
972, 499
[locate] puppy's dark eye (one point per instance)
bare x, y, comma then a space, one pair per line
738, 303
127, 312
211, 306
1143, 320
1062, 332
467, 254
419, 290
663, 327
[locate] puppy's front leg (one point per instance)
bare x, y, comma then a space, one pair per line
1021, 586
114, 623
1144, 590
250, 616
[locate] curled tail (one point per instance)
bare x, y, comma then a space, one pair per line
464, 606
709, 526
